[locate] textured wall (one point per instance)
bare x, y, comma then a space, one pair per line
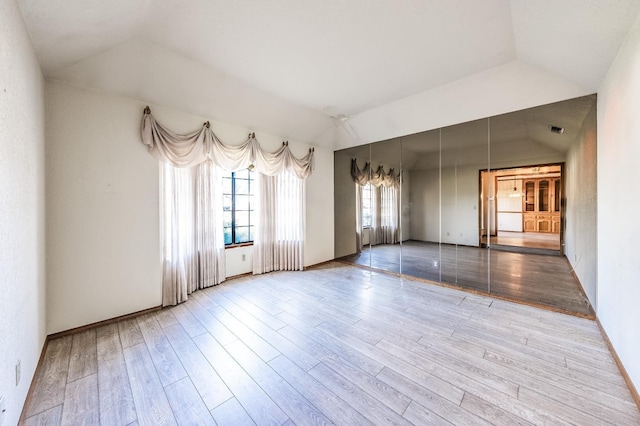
22, 209
581, 209
618, 183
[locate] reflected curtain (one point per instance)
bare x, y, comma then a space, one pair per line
279, 240
376, 218
389, 206
359, 243
191, 205
385, 203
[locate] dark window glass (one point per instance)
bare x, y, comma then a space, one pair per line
238, 202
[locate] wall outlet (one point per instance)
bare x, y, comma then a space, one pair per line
244, 257
18, 373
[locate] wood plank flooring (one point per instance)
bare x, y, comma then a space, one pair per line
335, 344
533, 278
525, 239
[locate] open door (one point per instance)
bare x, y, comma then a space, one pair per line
521, 209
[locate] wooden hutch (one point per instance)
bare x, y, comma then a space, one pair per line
541, 205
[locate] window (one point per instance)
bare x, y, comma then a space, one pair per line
238, 203
367, 193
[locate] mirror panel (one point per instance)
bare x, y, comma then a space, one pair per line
351, 238
385, 215
464, 155
421, 205
526, 161
479, 200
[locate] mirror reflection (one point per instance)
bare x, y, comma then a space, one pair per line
384, 184
498, 205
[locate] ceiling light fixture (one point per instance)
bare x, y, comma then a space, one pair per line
515, 193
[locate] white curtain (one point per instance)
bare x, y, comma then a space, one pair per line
192, 241
196, 147
279, 239
191, 205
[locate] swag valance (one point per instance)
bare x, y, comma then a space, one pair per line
194, 148
377, 178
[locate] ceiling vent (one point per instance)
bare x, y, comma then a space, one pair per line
556, 129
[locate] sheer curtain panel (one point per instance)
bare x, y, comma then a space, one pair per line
192, 241
279, 239
191, 207
359, 242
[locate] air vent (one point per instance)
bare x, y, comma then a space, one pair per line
556, 129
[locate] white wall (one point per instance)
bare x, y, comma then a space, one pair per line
22, 210
459, 209
580, 237
103, 256
509, 209
424, 205
618, 180
320, 222
102, 214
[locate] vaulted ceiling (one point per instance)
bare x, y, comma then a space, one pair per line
333, 73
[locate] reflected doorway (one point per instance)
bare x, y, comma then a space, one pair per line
521, 209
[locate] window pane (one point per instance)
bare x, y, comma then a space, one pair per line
226, 202
242, 186
242, 202
366, 219
366, 205
242, 234
226, 219
227, 236
251, 233
242, 218
242, 174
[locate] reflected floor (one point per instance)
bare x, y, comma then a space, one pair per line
525, 239
533, 278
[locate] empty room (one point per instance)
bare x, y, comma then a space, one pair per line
293, 213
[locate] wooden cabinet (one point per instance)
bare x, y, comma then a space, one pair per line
529, 224
541, 205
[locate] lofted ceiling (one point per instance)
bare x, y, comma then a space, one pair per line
333, 73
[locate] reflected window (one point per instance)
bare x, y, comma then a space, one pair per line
238, 203
366, 205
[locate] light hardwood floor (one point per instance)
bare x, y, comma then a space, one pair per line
334, 344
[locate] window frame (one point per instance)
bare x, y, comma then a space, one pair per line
250, 182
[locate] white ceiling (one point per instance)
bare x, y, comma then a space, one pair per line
287, 66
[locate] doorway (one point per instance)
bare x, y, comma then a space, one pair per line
522, 209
